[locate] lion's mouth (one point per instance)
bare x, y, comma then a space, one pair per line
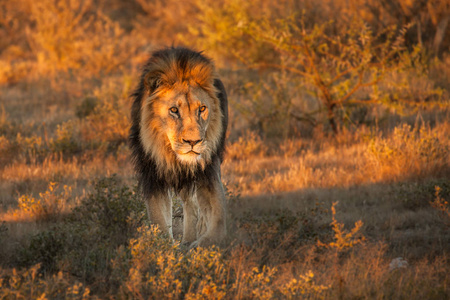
192, 152
190, 157
188, 154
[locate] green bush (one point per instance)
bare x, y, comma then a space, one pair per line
86, 107
45, 249
88, 238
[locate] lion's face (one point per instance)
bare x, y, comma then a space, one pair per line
186, 121
181, 124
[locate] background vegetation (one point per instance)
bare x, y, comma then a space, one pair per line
338, 158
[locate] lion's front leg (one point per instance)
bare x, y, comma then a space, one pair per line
212, 213
159, 208
190, 216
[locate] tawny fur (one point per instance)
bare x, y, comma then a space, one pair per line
180, 117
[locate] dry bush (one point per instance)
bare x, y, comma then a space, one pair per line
275, 104
410, 152
30, 284
343, 239
365, 273
441, 204
282, 261
346, 267
107, 124
330, 167
84, 241
67, 35
249, 145
20, 148
14, 52
159, 21
218, 27
430, 19
101, 127
66, 139
25, 177
340, 67
74, 35
47, 207
158, 268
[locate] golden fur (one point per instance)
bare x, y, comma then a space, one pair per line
177, 137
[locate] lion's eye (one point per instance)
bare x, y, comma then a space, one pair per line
174, 110
202, 108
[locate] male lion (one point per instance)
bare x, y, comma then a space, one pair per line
179, 121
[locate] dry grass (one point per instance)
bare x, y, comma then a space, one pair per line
405, 154
279, 256
279, 208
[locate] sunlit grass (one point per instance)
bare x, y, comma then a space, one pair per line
407, 153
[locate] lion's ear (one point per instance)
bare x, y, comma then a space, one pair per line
152, 81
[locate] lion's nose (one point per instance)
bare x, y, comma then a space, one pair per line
192, 143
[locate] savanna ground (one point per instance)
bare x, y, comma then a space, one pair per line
337, 168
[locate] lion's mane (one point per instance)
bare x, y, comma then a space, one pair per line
157, 169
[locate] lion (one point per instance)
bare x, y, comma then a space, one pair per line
179, 122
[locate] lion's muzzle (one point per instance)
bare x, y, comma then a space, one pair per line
189, 150
191, 142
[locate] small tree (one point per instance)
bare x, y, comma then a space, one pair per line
342, 67
337, 66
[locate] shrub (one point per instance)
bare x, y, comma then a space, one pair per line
86, 107
112, 208
105, 219
45, 249
158, 268
415, 151
107, 124
17, 145
53, 37
302, 286
88, 238
74, 35
66, 140
441, 204
19, 141
48, 206
274, 104
340, 67
343, 240
249, 145
29, 284
418, 195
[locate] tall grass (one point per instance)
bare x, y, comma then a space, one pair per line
407, 153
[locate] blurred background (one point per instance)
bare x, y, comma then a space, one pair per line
290, 66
